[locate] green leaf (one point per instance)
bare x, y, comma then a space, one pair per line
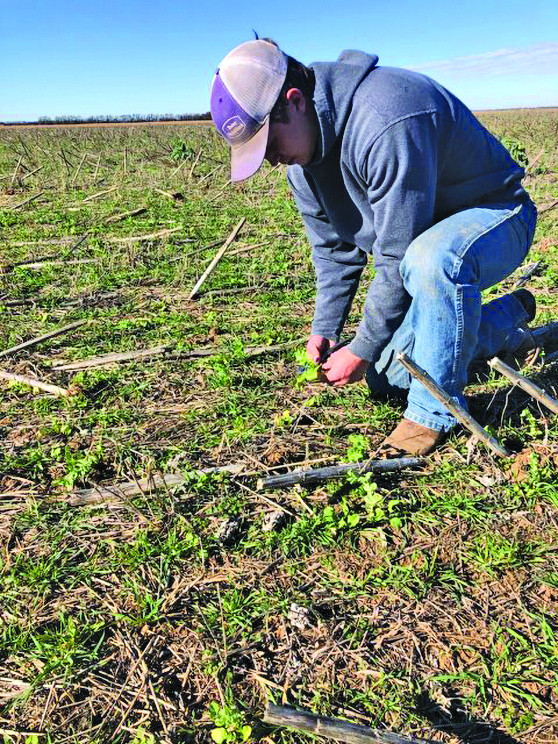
219, 735
308, 371
328, 513
214, 710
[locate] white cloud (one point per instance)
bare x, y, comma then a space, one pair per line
535, 59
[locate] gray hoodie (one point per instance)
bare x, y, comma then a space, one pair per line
396, 153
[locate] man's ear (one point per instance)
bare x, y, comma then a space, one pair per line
296, 97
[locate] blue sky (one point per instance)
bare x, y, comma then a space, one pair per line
124, 57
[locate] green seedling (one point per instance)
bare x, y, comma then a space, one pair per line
516, 149
308, 371
180, 150
358, 447
342, 518
378, 508
229, 726
141, 736
284, 419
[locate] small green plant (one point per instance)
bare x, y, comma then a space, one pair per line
222, 365
517, 150
540, 481
79, 465
494, 553
180, 150
141, 736
284, 419
377, 507
229, 726
308, 371
532, 426
61, 648
358, 447
341, 518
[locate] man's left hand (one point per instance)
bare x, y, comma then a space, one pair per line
343, 367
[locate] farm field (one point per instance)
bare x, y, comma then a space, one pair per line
108, 124
173, 608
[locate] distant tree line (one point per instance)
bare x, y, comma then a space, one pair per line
107, 119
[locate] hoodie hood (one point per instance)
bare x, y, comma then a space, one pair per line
336, 83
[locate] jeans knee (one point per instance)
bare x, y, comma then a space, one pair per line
424, 267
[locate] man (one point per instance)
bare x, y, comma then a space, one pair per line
386, 162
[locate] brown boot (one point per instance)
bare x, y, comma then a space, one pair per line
409, 438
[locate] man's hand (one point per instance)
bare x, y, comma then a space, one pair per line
344, 367
317, 346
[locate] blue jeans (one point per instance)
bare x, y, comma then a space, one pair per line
444, 271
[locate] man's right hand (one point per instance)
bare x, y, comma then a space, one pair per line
317, 346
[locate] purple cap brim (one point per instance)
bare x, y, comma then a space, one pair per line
246, 159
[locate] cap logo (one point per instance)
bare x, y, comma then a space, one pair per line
234, 128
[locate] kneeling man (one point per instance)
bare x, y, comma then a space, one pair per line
388, 164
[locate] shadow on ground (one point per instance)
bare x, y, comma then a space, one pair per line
505, 405
454, 720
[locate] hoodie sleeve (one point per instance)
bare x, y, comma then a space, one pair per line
399, 171
338, 265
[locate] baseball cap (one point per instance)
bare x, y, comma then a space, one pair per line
245, 88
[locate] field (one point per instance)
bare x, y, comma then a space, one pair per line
171, 611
